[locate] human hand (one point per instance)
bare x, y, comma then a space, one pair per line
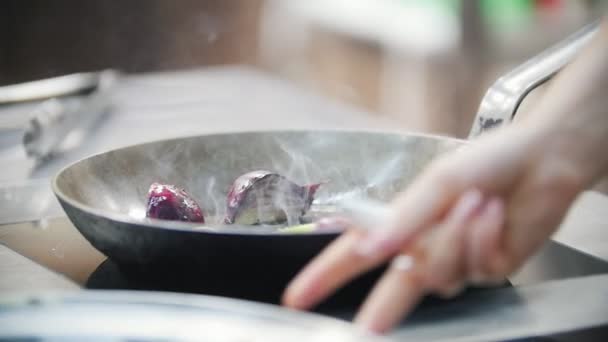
472, 216
475, 216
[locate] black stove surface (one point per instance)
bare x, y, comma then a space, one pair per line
250, 281
57, 245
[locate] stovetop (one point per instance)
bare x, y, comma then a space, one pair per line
56, 244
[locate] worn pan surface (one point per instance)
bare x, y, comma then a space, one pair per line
105, 195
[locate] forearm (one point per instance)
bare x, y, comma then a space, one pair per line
572, 118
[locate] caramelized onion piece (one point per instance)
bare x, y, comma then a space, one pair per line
265, 197
168, 202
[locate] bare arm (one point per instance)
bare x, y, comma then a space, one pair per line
574, 111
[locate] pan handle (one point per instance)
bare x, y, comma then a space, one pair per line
501, 101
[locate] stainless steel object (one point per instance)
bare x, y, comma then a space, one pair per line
55, 119
53, 87
40, 113
131, 315
501, 101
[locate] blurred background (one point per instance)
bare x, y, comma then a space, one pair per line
423, 64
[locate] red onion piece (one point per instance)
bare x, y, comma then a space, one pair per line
265, 197
168, 202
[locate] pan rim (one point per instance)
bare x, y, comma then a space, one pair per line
197, 228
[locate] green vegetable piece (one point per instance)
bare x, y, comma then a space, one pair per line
299, 229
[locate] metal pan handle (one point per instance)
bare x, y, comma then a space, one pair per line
501, 101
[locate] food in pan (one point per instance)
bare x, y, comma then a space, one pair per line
299, 229
258, 197
265, 197
168, 202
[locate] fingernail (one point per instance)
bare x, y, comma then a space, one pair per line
296, 295
365, 331
467, 205
369, 325
403, 263
380, 237
322, 224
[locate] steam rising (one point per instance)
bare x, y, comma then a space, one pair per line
214, 198
304, 161
349, 164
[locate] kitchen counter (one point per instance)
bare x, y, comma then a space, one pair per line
157, 106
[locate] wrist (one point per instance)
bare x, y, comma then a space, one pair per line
571, 120
576, 148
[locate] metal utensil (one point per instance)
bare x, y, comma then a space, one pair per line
56, 118
48, 88
42, 113
27, 201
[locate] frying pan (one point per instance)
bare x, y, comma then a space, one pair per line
105, 195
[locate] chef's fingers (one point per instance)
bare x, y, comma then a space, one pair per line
418, 208
446, 254
434, 262
489, 165
333, 223
336, 265
396, 293
484, 243
342, 261
536, 209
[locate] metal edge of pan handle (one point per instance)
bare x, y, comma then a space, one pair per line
502, 99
